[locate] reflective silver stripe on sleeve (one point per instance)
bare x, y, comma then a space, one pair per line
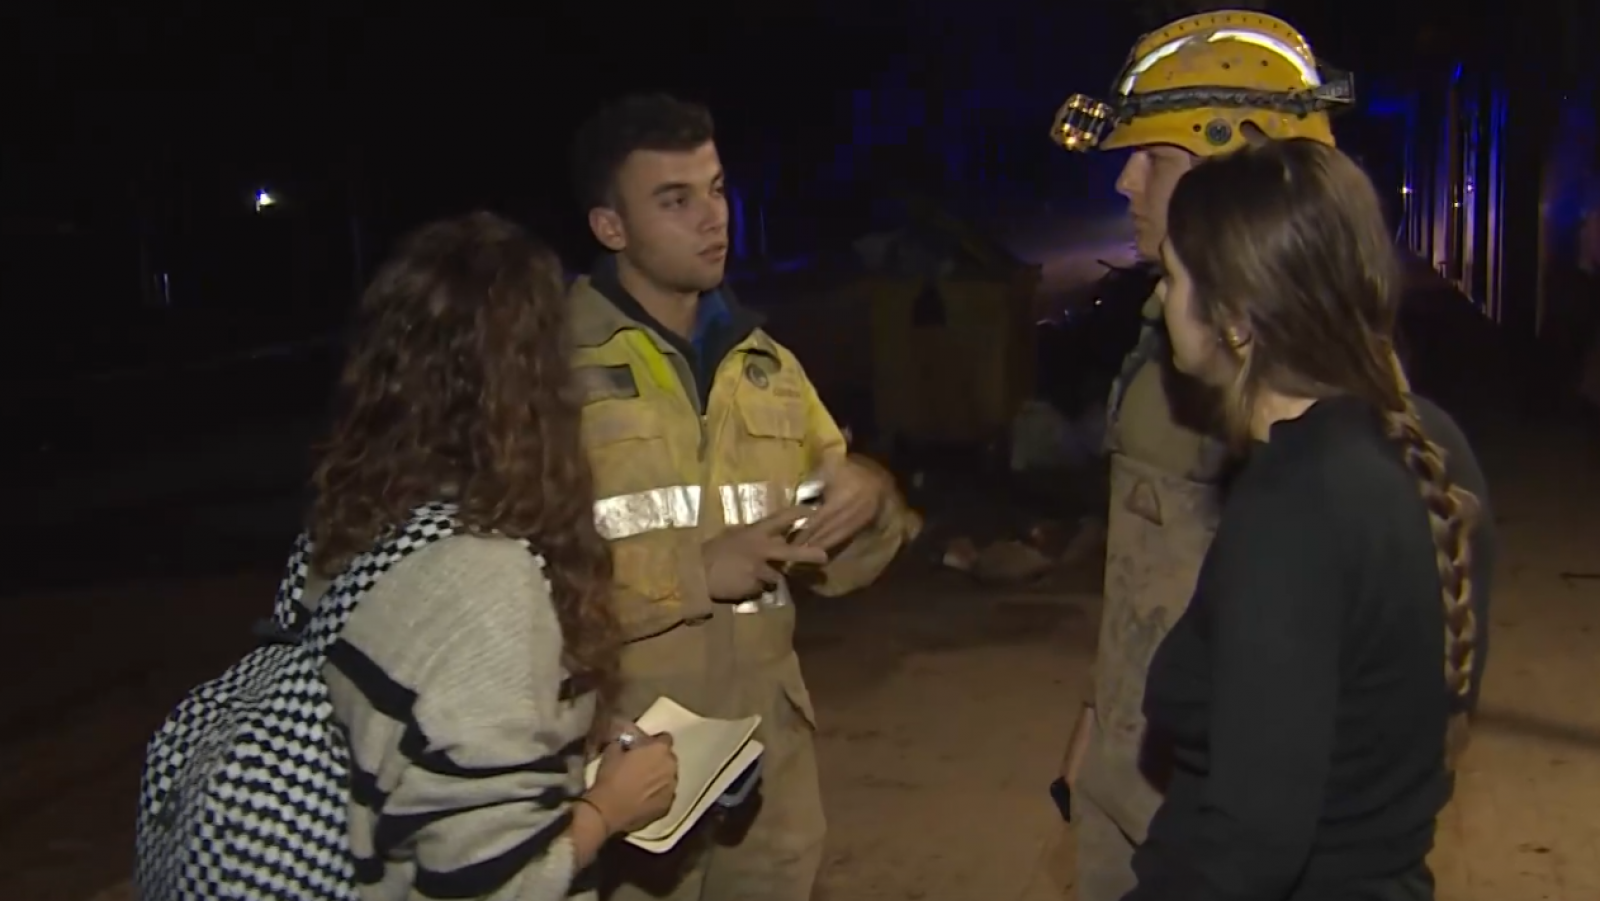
627, 515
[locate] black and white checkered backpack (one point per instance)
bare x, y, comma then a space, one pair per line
245, 791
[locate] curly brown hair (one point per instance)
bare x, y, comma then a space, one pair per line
458, 388
1289, 236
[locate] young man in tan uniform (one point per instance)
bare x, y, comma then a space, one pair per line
1199, 86
700, 428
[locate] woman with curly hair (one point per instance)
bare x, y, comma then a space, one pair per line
1300, 706
472, 673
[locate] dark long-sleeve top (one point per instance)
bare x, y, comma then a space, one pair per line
1298, 707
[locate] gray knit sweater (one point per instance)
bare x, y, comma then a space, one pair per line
465, 735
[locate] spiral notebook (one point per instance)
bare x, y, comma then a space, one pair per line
712, 754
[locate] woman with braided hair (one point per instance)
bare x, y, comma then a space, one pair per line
1298, 711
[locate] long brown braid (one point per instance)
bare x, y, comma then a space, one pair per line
1452, 513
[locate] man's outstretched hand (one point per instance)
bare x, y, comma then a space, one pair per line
853, 495
744, 561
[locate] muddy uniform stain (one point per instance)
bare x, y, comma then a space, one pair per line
1163, 513
1160, 526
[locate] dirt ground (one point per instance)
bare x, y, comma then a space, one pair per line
944, 710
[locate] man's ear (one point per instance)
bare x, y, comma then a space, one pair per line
1252, 133
606, 223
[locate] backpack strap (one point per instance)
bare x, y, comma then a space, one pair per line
293, 622
428, 523
289, 612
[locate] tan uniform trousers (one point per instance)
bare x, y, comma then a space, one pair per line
770, 848
1159, 527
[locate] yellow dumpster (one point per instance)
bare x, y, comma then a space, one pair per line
952, 356
944, 344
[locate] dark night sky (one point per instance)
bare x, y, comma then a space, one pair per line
427, 113
413, 91
409, 115
245, 85
96, 94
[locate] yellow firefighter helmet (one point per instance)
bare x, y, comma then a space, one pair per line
1194, 82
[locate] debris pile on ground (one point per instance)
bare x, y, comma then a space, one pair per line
1048, 545
1009, 563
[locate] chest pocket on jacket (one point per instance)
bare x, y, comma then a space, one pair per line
773, 446
631, 459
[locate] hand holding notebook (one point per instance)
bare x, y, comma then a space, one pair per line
712, 754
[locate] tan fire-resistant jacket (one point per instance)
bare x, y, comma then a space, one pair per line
669, 475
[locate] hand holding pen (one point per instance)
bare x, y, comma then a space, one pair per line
637, 780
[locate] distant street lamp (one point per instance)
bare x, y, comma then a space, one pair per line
264, 200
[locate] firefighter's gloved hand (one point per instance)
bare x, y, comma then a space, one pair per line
851, 501
743, 561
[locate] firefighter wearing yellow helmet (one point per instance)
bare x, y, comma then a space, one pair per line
1202, 85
